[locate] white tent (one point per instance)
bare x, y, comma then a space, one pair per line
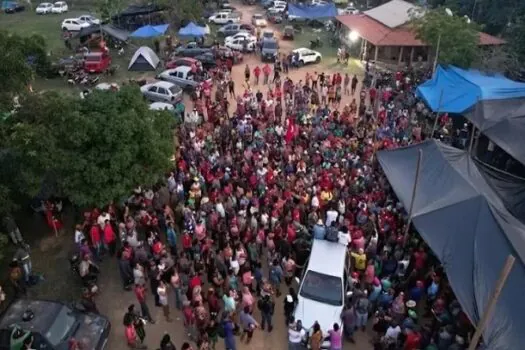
144, 59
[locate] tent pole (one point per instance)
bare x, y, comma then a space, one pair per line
471, 145
492, 302
437, 114
413, 199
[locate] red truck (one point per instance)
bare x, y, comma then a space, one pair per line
97, 62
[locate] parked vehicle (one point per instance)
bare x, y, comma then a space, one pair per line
240, 36
44, 8
305, 56
14, 7
242, 44
232, 29
181, 61
183, 77
59, 7
162, 91
288, 33
73, 25
275, 17
269, 50
191, 50
224, 18
268, 34
278, 6
258, 20
89, 19
52, 324
97, 62
319, 3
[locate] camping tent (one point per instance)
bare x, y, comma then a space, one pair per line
312, 12
107, 29
150, 31
192, 30
493, 103
467, 226
144, 59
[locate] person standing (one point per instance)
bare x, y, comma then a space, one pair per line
317, 337
256, 74
361, 310
348, 317
12, 229
231, 88
336, 340
229, 336
266, 72
248, 324
166, 343
162, 291
266, 305
296, 333
247, 74
131, 330
154, 276
140, 293
109, 238
354, 84
346, 83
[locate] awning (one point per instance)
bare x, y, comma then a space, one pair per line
150, 31
312, 12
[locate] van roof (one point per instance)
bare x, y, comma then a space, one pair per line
326, 257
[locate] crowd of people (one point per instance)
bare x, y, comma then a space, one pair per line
250, 190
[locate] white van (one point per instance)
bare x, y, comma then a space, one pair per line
324, 286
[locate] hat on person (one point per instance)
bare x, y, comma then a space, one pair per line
289, 298
320, 222
411, 304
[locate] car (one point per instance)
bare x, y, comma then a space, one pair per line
240, 36
258, 20
183, 77
191, 49
97, 62
319, 3
52, 324
324, 286
13, 7
225, 17
247, 44
59, 7
161, 106
306, 56
269, 49
232, 29
162, 91
89, 19
207, 60
274, 17
181, 61
278, 8
288, 33
73, 25
268, 34
349, 10
44, 8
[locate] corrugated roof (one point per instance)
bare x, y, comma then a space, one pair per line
393, 13
379, 34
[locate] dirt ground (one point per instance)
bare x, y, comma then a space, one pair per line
51, 256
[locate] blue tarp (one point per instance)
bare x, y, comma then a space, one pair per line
462, 89
192, 30
467, 226
312, 12
150, 31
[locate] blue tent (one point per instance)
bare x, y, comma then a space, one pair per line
312, 12
462, 89
150, 31
467, 225
192, 30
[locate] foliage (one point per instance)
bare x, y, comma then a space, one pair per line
499, 60
108, 8
457, 39
96, 149
21, 57
182, 10
516, 36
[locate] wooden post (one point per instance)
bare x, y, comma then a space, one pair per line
400, 59
411, 55
492, 302
413, 199
437, 114
376, 53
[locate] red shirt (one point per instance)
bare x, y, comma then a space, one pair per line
109, 235
131, 335
94, 233
419, 260
140, 293
194, 282
412, 341
257, 71
186, 241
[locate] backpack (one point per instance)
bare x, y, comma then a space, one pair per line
332, 234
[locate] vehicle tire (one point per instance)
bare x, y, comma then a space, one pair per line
318, 59
301, 63
64, 29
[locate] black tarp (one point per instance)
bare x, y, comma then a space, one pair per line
107, 29
467, 226
503, 122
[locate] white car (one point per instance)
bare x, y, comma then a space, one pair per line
258, 20
319, 3
89, 19
59, 7
349, 10
73, 25
225, 18
240, 36
44, 8
162, 91
161, 106
238, 44
278, 7
306, 56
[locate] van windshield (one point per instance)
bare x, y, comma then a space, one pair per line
270, 45
322, 288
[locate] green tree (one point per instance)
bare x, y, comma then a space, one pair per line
182, 10
95, 149
453, 39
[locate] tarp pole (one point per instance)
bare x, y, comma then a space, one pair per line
413, 199
472, 140
492, 302
437, 114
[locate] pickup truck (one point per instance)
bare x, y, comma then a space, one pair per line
191, 49
183, 77
97, 62
225, 18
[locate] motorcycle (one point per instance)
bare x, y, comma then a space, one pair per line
316, 43
90, 281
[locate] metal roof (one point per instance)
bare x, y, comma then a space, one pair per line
393, 13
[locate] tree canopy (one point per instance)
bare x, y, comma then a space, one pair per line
94, 149
453, 38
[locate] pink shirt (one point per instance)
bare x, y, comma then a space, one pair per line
247, 300
359, 243
200, 232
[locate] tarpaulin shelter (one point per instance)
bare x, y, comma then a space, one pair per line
150, 31
493, 103
192, 30
466, 224
312, 12
144, 59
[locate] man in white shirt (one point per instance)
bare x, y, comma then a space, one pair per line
392, 333
344, 236
331, 216
79, 235
296, 333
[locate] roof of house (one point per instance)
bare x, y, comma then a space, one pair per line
393, 13
379, 34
